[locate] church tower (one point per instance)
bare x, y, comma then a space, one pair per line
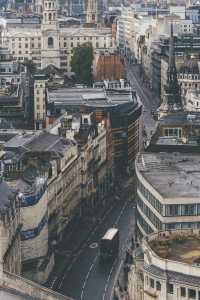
172, 101
50, 32
92, 12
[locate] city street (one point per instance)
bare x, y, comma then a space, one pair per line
84, 277
148, 100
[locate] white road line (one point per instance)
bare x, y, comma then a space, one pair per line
115, 279
108, 279
121, 213
84, 246
53, 281
87, 276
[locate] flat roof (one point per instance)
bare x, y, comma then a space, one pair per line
172, 175
90, 96
110, 234
177, 247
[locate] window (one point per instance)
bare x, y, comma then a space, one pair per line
170, 288
191, 294
198, 295
158, 286
183, 292
50, 42
173, 132
151, 283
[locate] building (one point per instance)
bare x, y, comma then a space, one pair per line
10, 229
92, 12
172, 101
192, 101
167, 193
14, 92
115, 100
95, 158
39, 101
166, 267
50, 41
108, 66
12, 225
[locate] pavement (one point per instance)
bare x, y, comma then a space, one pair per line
78, 272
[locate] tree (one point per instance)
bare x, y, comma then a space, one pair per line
30, 65
81, 63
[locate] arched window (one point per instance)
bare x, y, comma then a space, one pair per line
50, 18
50, 42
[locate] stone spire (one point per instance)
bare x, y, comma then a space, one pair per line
172, 97
92, 12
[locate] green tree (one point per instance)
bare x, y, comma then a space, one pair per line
81, 63
31, 67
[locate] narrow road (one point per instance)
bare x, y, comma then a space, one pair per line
85, 278
148, 100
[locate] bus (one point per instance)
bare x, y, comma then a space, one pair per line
109, 245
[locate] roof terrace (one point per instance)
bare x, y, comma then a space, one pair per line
178, 246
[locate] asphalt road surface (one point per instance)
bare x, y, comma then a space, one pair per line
85, 278
148, 100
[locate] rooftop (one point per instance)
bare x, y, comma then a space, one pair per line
39, 141
180, 118
172, 175
182, 247
90, 96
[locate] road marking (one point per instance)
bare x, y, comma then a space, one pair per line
87, 276
84, 246
53, 281
121, 213
108, 279
115, 279
93, 245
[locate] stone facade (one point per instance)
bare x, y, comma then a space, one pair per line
49, 43
157, 274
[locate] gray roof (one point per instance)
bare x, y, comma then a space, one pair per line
49, 142
38, 141
181, 118
90, 96
173, 276
172, 175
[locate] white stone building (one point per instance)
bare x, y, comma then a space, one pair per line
49, 43
167, 194
192, 100
166, 266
